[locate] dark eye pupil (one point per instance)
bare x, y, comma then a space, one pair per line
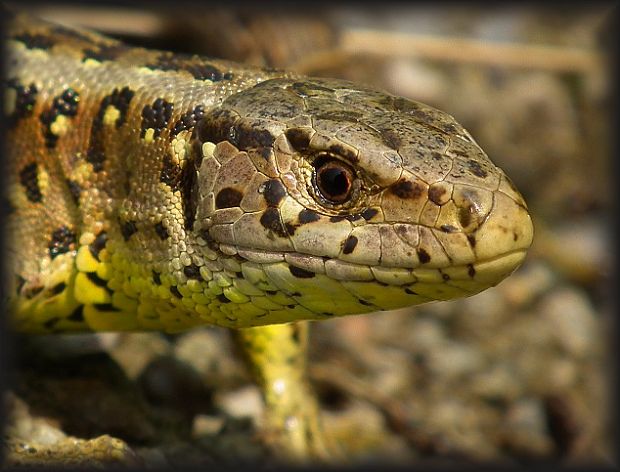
334, 181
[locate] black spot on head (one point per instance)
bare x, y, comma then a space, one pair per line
175, 291
349, 245
98, 244
336, 218
192, 271
62, 241
271, 221
273, 192
156, 116
476, 168
391, 138
128, 228
448, 228
75, 190
170, 173
28, 177
369, 213
78, 315
290, 228
406, 189
25, 99
299, 138
228, 198
301, 273
308, 216
161, 231
423, 256
188, 120
34, 41
222, 298
446, 277
344, 152
466, 215
247, 136
435, 194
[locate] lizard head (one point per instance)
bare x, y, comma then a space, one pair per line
348, 200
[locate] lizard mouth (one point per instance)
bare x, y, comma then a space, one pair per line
458, 280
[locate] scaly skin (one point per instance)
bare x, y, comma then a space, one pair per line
153, 191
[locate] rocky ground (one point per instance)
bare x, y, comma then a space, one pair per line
517, 374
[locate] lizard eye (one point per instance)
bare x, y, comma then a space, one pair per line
333, 179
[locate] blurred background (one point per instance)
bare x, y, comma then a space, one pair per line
520, 373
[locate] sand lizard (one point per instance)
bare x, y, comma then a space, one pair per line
160, 191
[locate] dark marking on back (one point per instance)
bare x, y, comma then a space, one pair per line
199, 69
156, 116
301, 273
349, 245
471, 271
222, 298
104, 52
228, 198
119, 99
189, 193
25, 99
406, 189
62, 241
192, 271
34, 41
307, 216
75, 190
64, 104
271, 221
188, 120
29, 179
128, 228
410, 292
161, 231
156, 277
170, 173
423, 255
364, 302
273, 192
